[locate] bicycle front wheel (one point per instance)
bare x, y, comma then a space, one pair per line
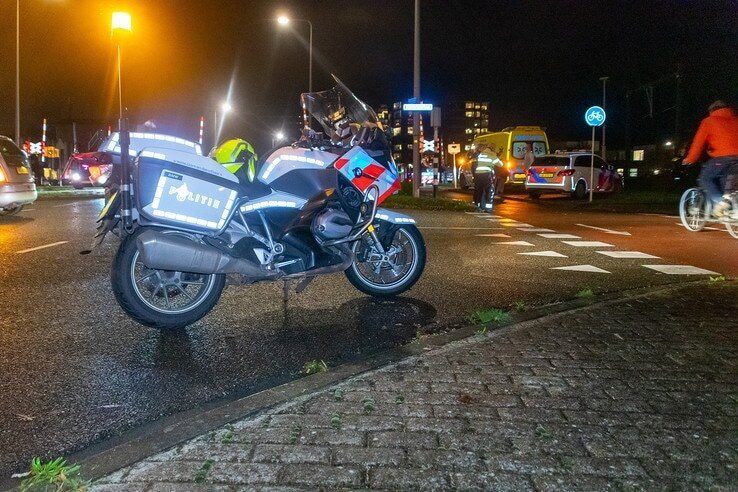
694, 209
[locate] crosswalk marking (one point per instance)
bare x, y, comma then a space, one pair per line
680, 270
492, 235
608, 231
581, 268
626, 254
516, 243
552, 254
588, 244
560, 236
515, 224
535, 229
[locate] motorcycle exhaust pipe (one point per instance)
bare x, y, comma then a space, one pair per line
160, 251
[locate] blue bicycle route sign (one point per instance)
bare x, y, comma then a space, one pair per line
595, 116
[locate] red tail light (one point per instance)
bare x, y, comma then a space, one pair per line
566, 172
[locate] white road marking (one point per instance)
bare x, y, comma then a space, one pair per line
706, 227
462, 228
552, 254
560, 236
492, 235
626, 254
66, 204
535, 229
516, 243
588, 244
609, 231
680, 270
40, 247
662, 215
29, 209
503, 219
515, 224
581, 268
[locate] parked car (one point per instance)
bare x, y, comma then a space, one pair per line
16, 180
95, 168
569, 172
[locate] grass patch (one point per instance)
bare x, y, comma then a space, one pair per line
336, 420
338, 394
481, 331
520, 306
54, 475
314, 366
203, 471
369, 404
426, 203
295, 434
629, 200
585, 293
542, 433
486, 316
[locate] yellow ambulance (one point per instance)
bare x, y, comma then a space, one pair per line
512, 145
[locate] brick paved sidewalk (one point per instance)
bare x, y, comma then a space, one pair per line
640, 394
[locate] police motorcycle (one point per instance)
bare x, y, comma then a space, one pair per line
310, 208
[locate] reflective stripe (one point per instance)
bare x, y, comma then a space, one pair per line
293, 158
483, 169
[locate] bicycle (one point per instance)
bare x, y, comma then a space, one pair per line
695, 209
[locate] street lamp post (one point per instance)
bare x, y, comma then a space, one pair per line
416, 95
604, 89
121, 24
283, 20
17, 72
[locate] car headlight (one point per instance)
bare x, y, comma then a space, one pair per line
76, 177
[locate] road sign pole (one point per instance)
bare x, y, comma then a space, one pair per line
592, 166
455, 186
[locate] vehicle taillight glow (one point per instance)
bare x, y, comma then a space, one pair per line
2, 176
566, 172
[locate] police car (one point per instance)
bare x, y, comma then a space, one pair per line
569, 172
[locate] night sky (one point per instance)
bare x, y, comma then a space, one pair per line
537, 62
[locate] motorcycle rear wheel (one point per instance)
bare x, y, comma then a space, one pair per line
394, 272
161, 299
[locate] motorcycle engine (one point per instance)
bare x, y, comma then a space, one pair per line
331, 224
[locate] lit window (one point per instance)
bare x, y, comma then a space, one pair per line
470, 105
468, 130
409, 130
637, 156
469, 114
633, 172
476, 106
396, 131
484, 105
467, 147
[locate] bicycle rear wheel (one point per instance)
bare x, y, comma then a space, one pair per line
694, 209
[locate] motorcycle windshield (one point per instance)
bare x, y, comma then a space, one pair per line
337, 103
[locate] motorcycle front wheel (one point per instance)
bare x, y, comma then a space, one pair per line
161, 299
392, 272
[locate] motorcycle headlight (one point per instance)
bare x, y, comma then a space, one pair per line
76, 177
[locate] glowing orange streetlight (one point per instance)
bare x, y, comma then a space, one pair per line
120, 25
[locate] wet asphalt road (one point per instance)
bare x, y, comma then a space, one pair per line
75, 370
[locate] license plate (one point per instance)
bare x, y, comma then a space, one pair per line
21, 170
519, 176
546, 175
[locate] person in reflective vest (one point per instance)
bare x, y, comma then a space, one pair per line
483, 169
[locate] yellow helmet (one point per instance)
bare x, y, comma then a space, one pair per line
234, 153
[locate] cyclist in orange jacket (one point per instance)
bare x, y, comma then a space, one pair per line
718, 136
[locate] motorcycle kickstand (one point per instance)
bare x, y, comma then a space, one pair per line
285, 293
302, 285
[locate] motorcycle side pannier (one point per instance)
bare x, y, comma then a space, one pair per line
183, 190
